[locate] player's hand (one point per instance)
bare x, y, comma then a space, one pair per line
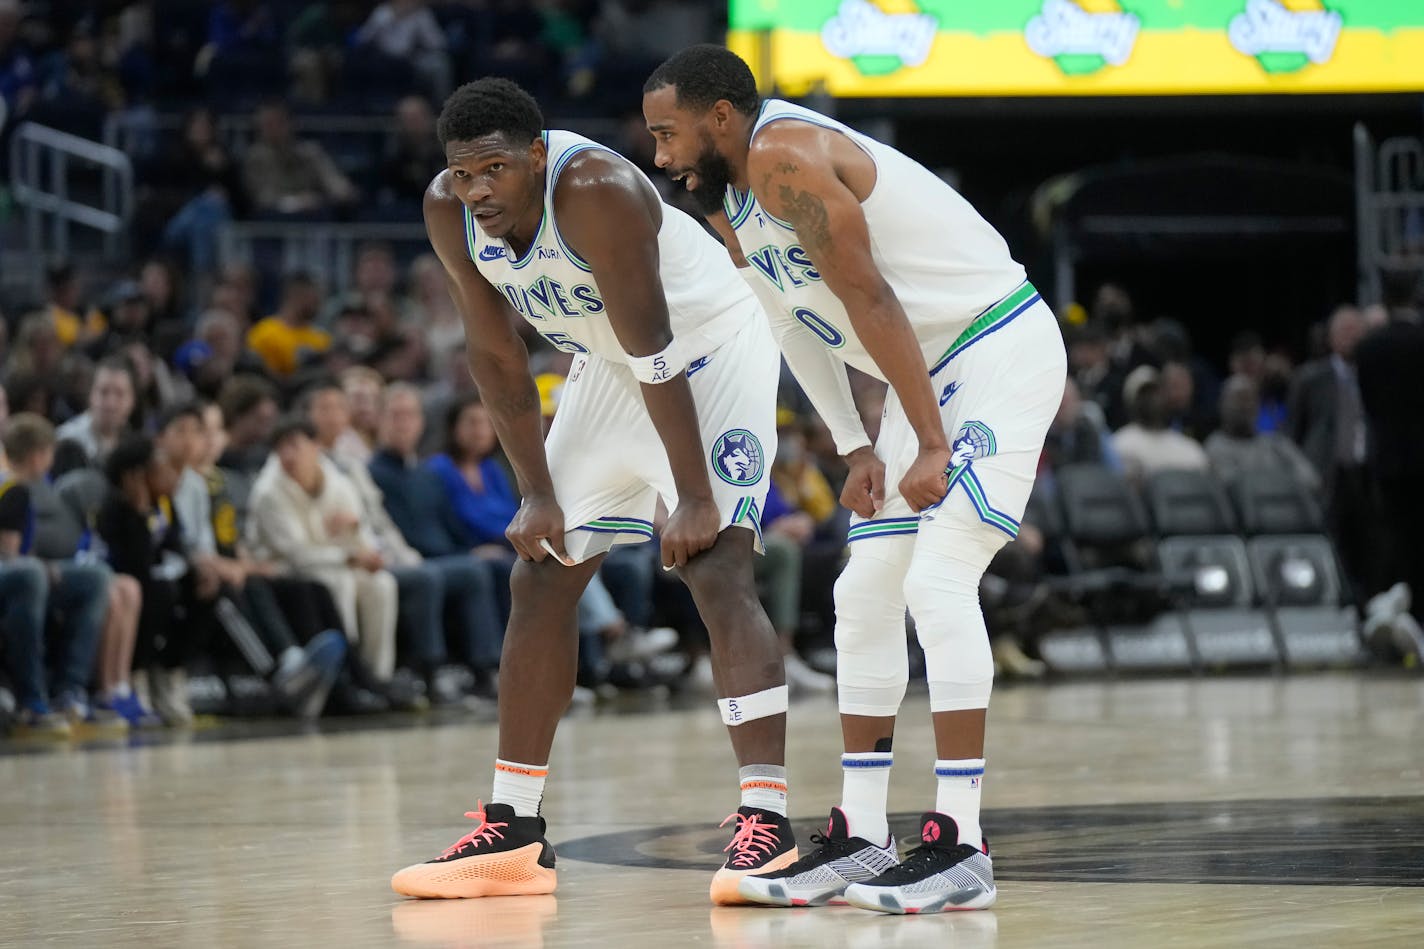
927, 480
691, 529
864, 491
538, 519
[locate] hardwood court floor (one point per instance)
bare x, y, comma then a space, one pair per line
1254, 812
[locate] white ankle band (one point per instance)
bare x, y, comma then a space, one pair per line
749, 708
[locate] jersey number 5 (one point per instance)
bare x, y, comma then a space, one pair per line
563, 343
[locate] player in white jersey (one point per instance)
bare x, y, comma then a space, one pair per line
863, 256
672, 395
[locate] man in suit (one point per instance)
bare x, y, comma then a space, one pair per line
1325, 418
1389, 361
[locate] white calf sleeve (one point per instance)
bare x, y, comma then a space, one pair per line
942, 589
872, 662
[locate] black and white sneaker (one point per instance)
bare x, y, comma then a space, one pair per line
823, 874
939, 875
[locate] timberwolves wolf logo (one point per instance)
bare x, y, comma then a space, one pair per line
737, 457
975, 440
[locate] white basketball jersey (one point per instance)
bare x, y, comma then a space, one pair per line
946, 264
553, 288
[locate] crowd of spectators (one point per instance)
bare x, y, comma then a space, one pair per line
318, 499
238, 472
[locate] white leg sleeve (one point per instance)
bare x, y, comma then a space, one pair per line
942, 589
872, 661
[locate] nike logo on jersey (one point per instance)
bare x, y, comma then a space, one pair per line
698, 364
948, 393
490, 252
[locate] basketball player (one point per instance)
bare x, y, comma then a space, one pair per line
671, 395
866, 252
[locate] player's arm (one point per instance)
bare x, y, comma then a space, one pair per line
794, 177
499, 363
611, 217
823, 378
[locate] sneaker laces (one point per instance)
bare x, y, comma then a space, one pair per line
924, 860
485, 833
752, 841
826, 848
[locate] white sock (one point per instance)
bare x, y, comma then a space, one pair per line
865, 784
959, 785
521, 786
764, 787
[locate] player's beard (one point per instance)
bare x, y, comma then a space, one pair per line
714, 174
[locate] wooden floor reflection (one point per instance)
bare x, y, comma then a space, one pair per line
1228, 812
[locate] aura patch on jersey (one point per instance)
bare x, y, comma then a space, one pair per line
737, 457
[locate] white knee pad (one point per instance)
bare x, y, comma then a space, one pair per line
942, 590
872, 663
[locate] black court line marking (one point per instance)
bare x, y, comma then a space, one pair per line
1357, 841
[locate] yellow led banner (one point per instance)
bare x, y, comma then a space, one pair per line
1084, 47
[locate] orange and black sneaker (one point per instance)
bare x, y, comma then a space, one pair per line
762, 842
504, 856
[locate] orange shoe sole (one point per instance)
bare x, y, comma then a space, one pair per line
510, 873
724, 882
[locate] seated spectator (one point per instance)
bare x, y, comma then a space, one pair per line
305, 515
289, 338
1091, 365
19, 82
287, 177
144, 541
207, 188
123, 316
36, 348
63, 305
412, 154
421, 587
423, 515
1146, 444
249, 410
1077, 434
112, 398
306, 607
406, 30
435, 313
1239, 450
365, 394
62, 537
474, 480
215, 353
1270, 372
248, 609
30, 589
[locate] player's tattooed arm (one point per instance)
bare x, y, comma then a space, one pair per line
498, 358
793, 171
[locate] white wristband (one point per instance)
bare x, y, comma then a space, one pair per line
659, 367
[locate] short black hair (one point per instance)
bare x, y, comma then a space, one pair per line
488, 106
315, 388
290, 425
242, 394
192, 410
133, 453
704, 74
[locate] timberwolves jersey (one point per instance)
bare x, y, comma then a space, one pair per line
946, 264
553, 288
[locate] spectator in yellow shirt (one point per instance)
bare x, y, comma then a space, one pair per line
284, 340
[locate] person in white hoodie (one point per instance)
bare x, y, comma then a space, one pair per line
305, 514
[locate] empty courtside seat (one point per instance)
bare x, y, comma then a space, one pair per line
1276, 503
1187, 503
1100, 509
